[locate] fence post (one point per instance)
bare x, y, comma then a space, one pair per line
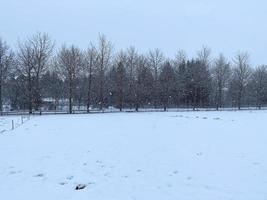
12, 124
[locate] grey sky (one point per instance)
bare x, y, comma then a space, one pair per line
226, 26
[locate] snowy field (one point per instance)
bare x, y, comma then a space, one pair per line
6, 122
136, 156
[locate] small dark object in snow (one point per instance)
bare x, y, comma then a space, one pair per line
39, 175
80, 187
216, 118
69, 177
256, 163
15, 172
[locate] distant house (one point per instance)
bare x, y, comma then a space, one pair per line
50, 103
6, 107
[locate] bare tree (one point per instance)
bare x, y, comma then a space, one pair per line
220, 74
155, 60
42, 47
6, 59
179, 65
180, 58
34, 58
241, 75
203, 55
167, 80
131, 68
120, 78
143, 83
259, 80
25, 65
90, 67
103, 62
70, 63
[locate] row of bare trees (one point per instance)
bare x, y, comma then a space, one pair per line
100, 77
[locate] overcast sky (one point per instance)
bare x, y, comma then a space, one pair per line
226, 26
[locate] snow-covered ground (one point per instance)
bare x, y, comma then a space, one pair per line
6, 123
131, 156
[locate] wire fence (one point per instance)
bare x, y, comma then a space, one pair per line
10, 120
127, 110
10, 123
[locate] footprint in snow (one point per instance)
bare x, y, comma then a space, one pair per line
199, 154
256, 163
63, 183
107, 174
169, 185
69, 177
139, 170
40, 175
46, 157
15, 172
207, 187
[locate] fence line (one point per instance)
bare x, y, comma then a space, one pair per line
13, 123
113, 110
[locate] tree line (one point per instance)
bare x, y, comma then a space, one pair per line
99, 77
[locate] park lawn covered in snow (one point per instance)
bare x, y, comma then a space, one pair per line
126, 156
6, 122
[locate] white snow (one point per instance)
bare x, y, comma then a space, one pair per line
126, 156
6, 122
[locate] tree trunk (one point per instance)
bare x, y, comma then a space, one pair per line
30, 94
89, 92
70, 105
165, 108
70, 96
239, 99
1, 101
